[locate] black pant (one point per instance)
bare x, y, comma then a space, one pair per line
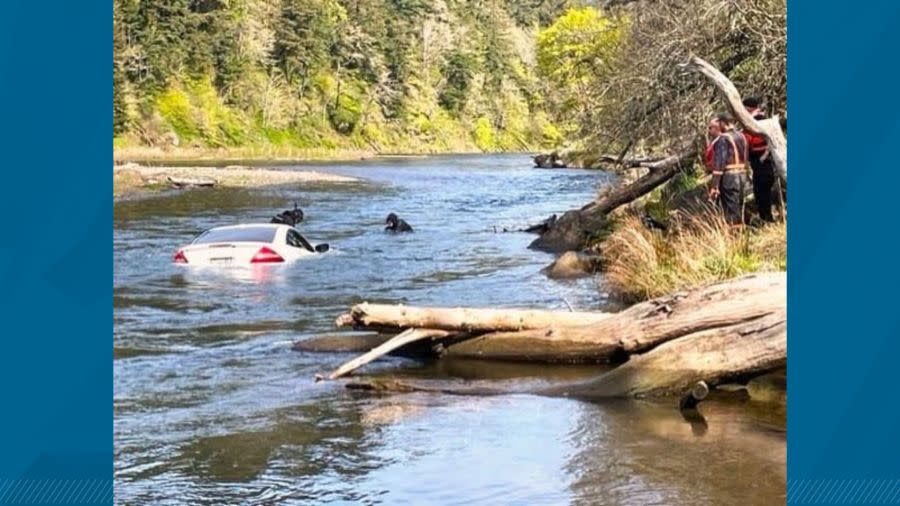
763, 181
731, 197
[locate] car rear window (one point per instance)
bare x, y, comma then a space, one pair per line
243, 234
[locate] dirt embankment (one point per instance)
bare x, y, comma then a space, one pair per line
132, 180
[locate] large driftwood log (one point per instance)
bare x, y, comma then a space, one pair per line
769, 128
719, 333
462, 319
637, 328
714, 356
660, 172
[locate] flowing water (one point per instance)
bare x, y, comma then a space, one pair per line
212, 406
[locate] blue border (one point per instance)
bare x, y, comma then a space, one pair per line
844, 184
55, 254
55, 368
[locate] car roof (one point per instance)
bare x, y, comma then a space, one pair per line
253, 225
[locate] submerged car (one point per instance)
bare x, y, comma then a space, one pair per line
247, 244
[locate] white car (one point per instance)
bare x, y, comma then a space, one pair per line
247, 244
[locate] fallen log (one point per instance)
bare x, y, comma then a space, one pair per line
713, 356
637, 328
367, 315
710, 357
660, 172
572, 229
182, 182
402, 339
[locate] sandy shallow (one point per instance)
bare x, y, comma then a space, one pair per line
133, 180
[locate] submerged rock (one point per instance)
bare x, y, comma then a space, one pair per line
572, 264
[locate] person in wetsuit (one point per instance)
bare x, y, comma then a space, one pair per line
290, 217
395, 224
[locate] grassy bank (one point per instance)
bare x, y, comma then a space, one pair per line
697, 249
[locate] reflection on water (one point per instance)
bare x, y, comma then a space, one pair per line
212, 406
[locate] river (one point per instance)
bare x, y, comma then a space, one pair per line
212, 406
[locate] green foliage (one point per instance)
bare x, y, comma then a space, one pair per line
458, 72
344, 114
304, 36
401, 75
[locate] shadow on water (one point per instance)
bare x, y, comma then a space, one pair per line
633, 452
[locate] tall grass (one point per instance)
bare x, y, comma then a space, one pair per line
696, 249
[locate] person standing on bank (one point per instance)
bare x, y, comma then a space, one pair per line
728, 171
761, 163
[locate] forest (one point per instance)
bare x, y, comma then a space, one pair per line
380, 75
403, 76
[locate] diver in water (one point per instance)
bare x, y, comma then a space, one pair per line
290, 217
395, 224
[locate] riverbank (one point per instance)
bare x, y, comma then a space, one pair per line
133, 180
144, 154
148, 154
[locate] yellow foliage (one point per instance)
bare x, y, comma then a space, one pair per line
484, 135
580, 44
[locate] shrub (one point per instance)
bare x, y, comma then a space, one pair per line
484, 135
175, 108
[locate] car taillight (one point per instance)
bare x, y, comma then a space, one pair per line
266, 256
180, 258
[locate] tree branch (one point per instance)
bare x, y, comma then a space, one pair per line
768, 128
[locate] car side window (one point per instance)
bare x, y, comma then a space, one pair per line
292, 239
296, 240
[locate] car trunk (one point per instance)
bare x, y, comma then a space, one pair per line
236, 253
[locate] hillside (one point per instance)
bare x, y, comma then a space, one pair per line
377, 75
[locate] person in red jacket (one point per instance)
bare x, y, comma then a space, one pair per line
761, 163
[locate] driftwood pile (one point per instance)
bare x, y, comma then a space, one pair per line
720, 333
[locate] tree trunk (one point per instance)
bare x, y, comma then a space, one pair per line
724, 332
571, 230
660, 172
769, 128
462, 319
715, 356
556, 336
637, 328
